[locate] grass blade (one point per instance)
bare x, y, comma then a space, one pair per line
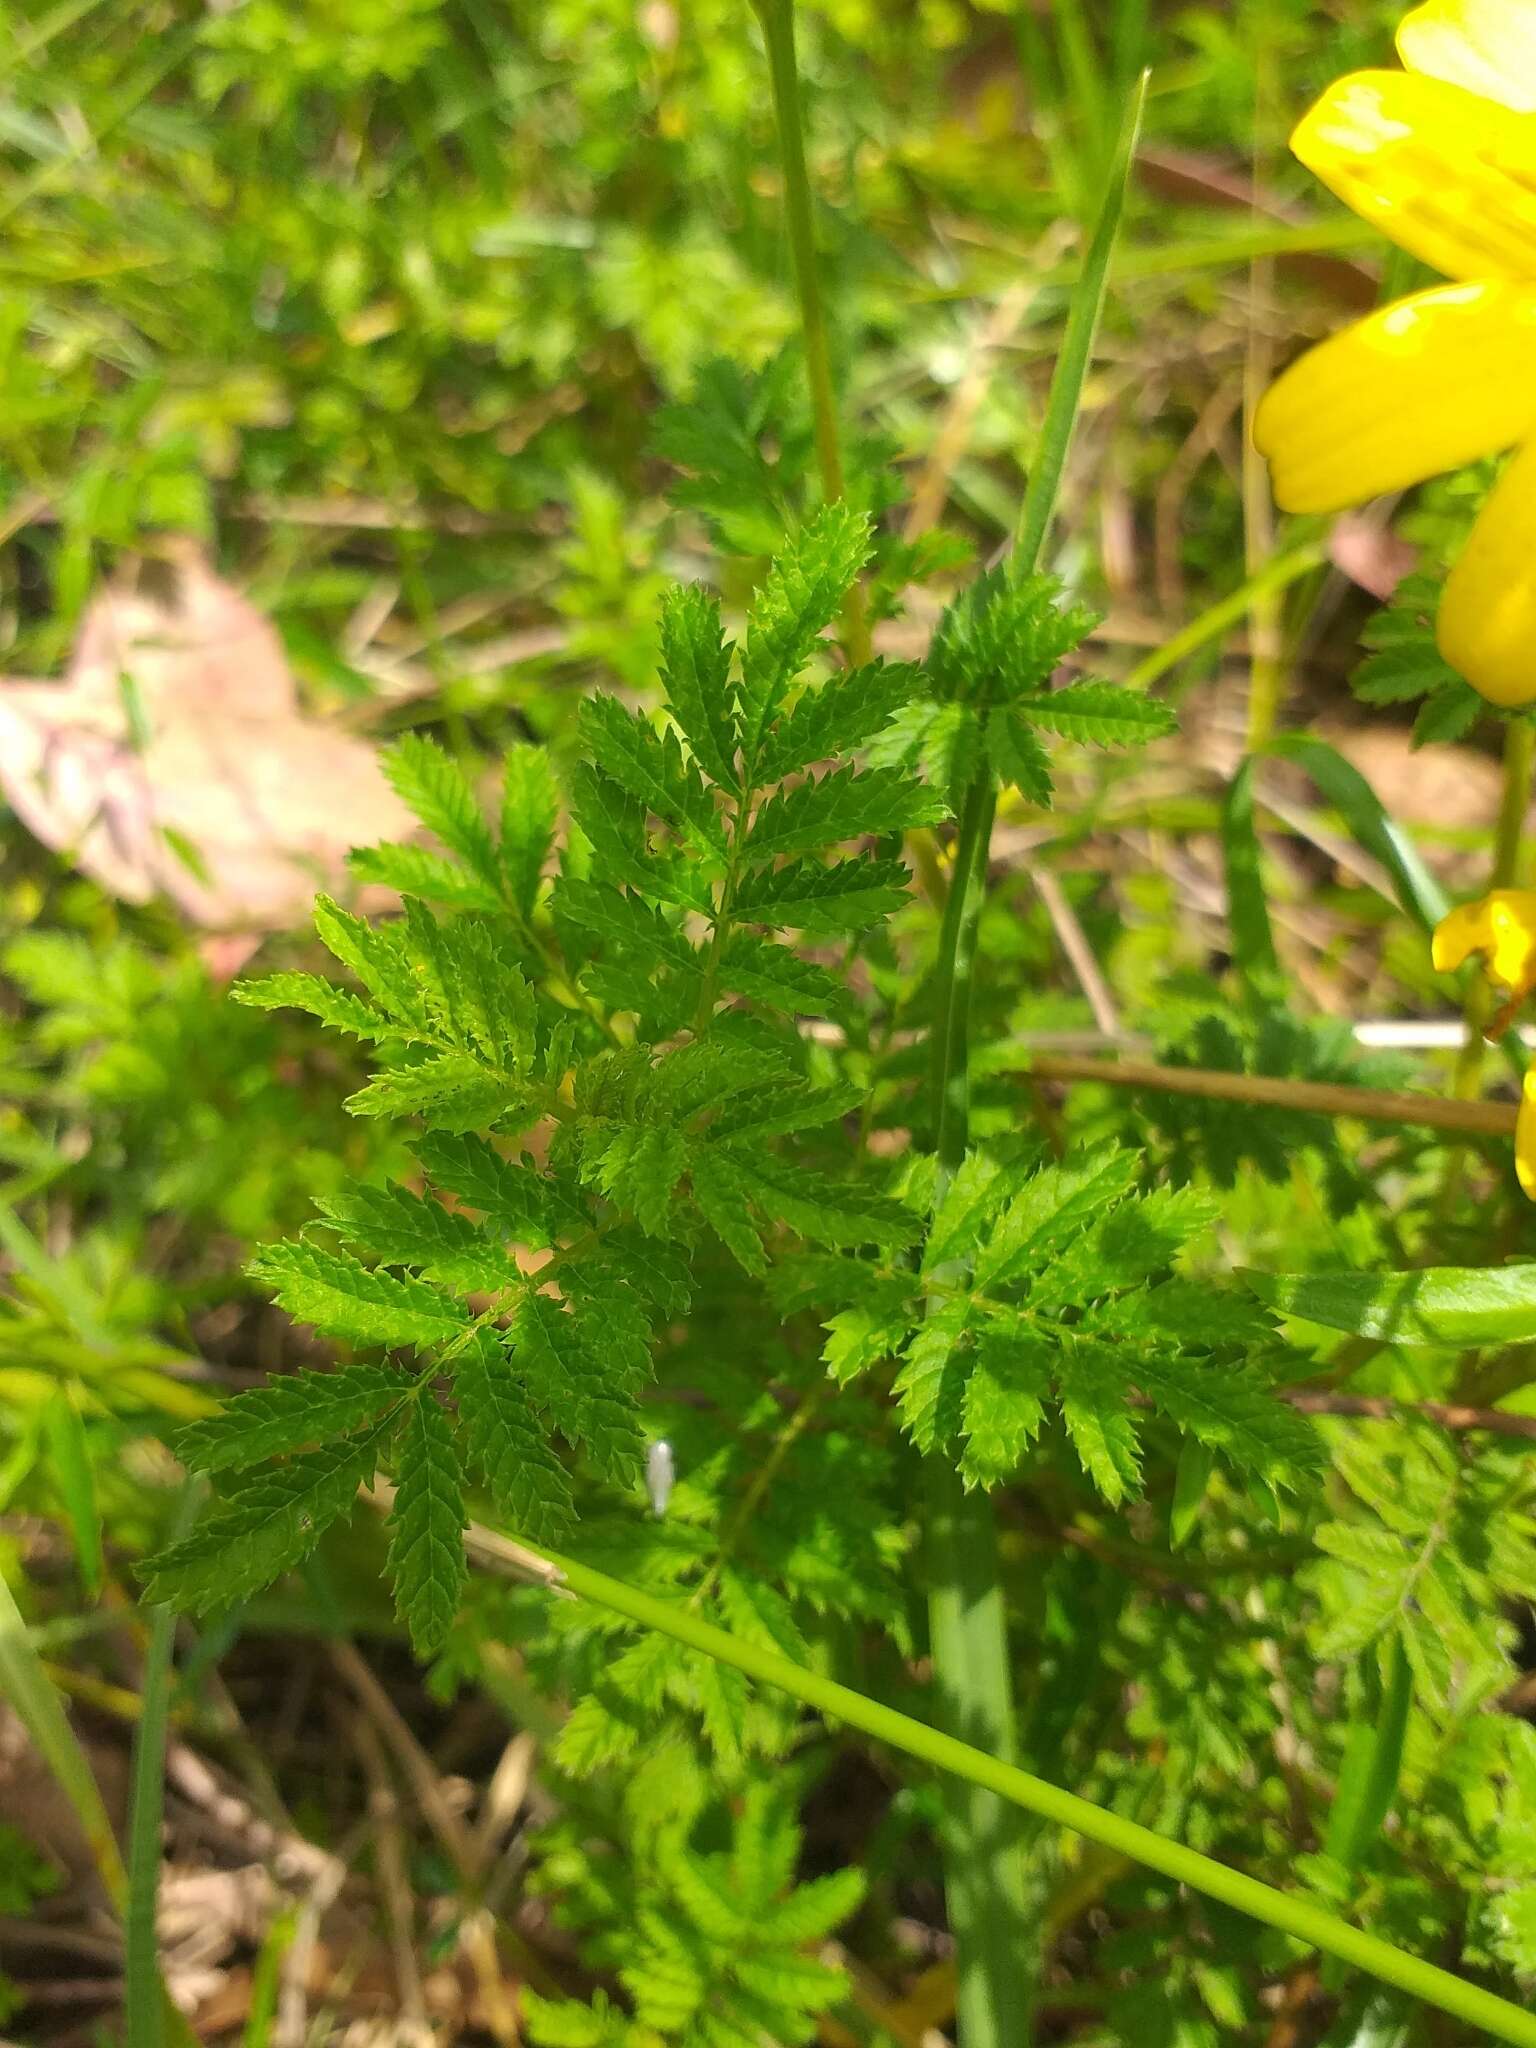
153, 2022
1066, 393
73, 1476
1373, 1761
1250, 934
1372, 830
33, 1696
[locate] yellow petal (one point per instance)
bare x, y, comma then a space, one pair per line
1449, 176
1428, 384
1487, 624
1525, 1134
1502, 927
1488, 46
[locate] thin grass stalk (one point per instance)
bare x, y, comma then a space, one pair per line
778, 22
985, 1879
1297, 1914
1276, 575
1266, 657
1066, 393
144, 2010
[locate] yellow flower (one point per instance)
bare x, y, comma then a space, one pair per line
1441, 157
1525, 1134
1502, 927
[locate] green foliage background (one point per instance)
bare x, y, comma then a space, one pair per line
433, 297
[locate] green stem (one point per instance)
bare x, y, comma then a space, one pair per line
984, 1873
141, 1973
1266, 663
1292, 1913
1514, 802
985, 1884
986, 1893
954, 974
778, 20
709, 991
153, 2021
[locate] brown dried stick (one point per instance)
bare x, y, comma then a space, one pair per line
1324, 1098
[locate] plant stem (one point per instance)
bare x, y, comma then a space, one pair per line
985, 1885
1066, 392
985, 1882
1266, 667
1271, 1091
1293, 1913
143, 2008
153, 2021
1456, 1415
1514, 802
954, 975
778, 20
986, 1893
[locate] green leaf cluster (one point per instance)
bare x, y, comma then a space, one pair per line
994, 690
605, 1066
1054, 1291
714, 1946
1405, 663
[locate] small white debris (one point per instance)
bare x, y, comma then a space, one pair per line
659, 1475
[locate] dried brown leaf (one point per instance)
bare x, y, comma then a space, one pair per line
174, 758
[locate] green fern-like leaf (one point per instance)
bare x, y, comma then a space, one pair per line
529, 809
405, 1229
650, 767
1100, 714
797, 602
332, 1005
845, 896
417, 871
426, 1525
848, 804
265, 1524
290, 1414
342, 1298
526, 1205
566, 1356
438, 791
452, 1092
842, 715
507, 1443
696, 669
